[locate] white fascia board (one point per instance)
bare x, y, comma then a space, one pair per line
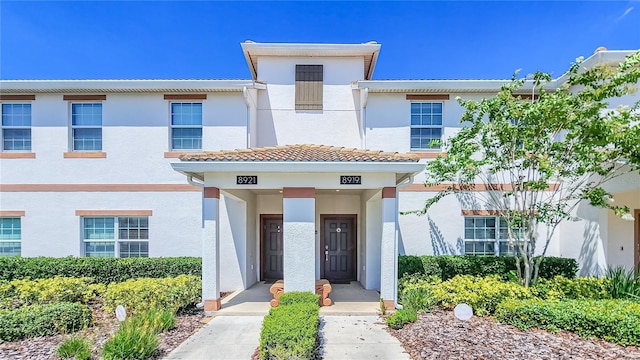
437, 85
312, 49
127, 85
295, 166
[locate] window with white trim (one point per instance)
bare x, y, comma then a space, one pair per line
489, 236
86, 127
426, 125
10, 236
186, 126
121, 236
16, 127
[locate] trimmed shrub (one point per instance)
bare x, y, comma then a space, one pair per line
131, 343
558, 266
449, 266
299, 297
140, 295
43, 291
401, 317
101, 270
617, 321
41, 320
431, 266
76, 347
581, 288
409, 265
482, 294
290, 332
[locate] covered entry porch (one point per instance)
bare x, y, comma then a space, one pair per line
348, 299
299, 213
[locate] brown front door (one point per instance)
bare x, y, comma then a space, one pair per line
271, 247
338, 248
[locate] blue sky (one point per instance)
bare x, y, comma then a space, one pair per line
200, 39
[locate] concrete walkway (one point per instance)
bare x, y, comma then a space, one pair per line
341, 337
358, 337
224, 337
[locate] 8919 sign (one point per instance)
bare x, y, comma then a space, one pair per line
350, 180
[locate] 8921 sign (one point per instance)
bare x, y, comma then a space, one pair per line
247, 180
350, 180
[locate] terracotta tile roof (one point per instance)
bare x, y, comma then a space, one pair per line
301, 153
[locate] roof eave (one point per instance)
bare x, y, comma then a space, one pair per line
112, 86
198, 167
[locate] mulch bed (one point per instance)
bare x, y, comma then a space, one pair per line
439, 335
105, 325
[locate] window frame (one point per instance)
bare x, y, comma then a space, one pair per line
421, 126
6, 241
116, 239
12, 127
497, 239
73, 127
172, 126
303, 101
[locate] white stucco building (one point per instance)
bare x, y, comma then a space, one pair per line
214, 168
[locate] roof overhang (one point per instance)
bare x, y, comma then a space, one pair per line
603, 57
197, 169
369, 51
435, 86
126, 86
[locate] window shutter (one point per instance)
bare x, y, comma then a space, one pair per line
309, 87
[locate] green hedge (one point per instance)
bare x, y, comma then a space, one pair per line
101, 270
141, 295
291, 331
296, 297
482, 294
613, 320
41, 320
581, 288
449, 266
22, 292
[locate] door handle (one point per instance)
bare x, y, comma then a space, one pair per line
326, 256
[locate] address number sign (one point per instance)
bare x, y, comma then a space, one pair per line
246, 180
350, 180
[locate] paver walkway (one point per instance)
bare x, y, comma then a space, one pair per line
224, 337
358, 337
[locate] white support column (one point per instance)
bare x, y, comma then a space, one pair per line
299, 258
388, 250
211, 249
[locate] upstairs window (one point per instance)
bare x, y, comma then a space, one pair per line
16, 127
426, 125
186, 126
86, 127
309, 87
121, 236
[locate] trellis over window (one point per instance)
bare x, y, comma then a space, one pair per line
309, 81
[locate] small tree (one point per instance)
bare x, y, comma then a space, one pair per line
538, 159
